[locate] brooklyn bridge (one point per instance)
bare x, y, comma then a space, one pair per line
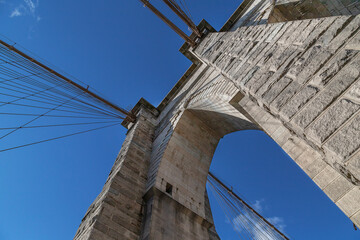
288, 68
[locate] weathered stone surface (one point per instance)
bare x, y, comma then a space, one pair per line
297, 81
354, 43
243, 81
118, 207
288, 10
315, 167
282, 55
256, 52
338, 188
277, 31
356, 218
339, 84
244, 69
301, 72
347, 140
303, 63
333, 31
312, 66
332, 120
298, 101
350, 30
354, 92
310, 27
254, 84
350, 202
276, 89
332, 68
302, 157
354, 166
285, 95
289, 31
319, 30
326, 176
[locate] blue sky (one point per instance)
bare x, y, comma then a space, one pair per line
125, 52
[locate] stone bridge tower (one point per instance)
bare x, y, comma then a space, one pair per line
289, 68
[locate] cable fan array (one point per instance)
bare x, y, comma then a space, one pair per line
180, 5
35, 98
247, 223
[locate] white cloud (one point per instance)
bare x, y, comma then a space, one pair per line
278, 222
15, 13
28, 7
258, 205
252, 224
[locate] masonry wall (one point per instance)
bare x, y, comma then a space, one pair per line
117, 212
303, 78
289, 10
177, 206
297, 81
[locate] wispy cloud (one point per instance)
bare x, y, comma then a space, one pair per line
258, 205
257, 230
278, 222
15, 13
26, 8
30, 5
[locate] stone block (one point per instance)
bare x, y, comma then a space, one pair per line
312, 65
265, 33
277, 31
290, 30
339, 84
288, 145
326, 176
347, 140
303, 155
282, 55
241, 46
256, 53
283, 137
319, 30
332, 68
356, 219
301, 31
255, 83
334, 29
350, 202
353, 166
277, 74
338, 188
354, 92
282, 98
310, 27
315, 167
351, 29
354, 44
276, 89
243, 81
331, 120
242, 73
304, 61
271, 125
298, 101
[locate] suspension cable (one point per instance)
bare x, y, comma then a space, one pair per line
247, 222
